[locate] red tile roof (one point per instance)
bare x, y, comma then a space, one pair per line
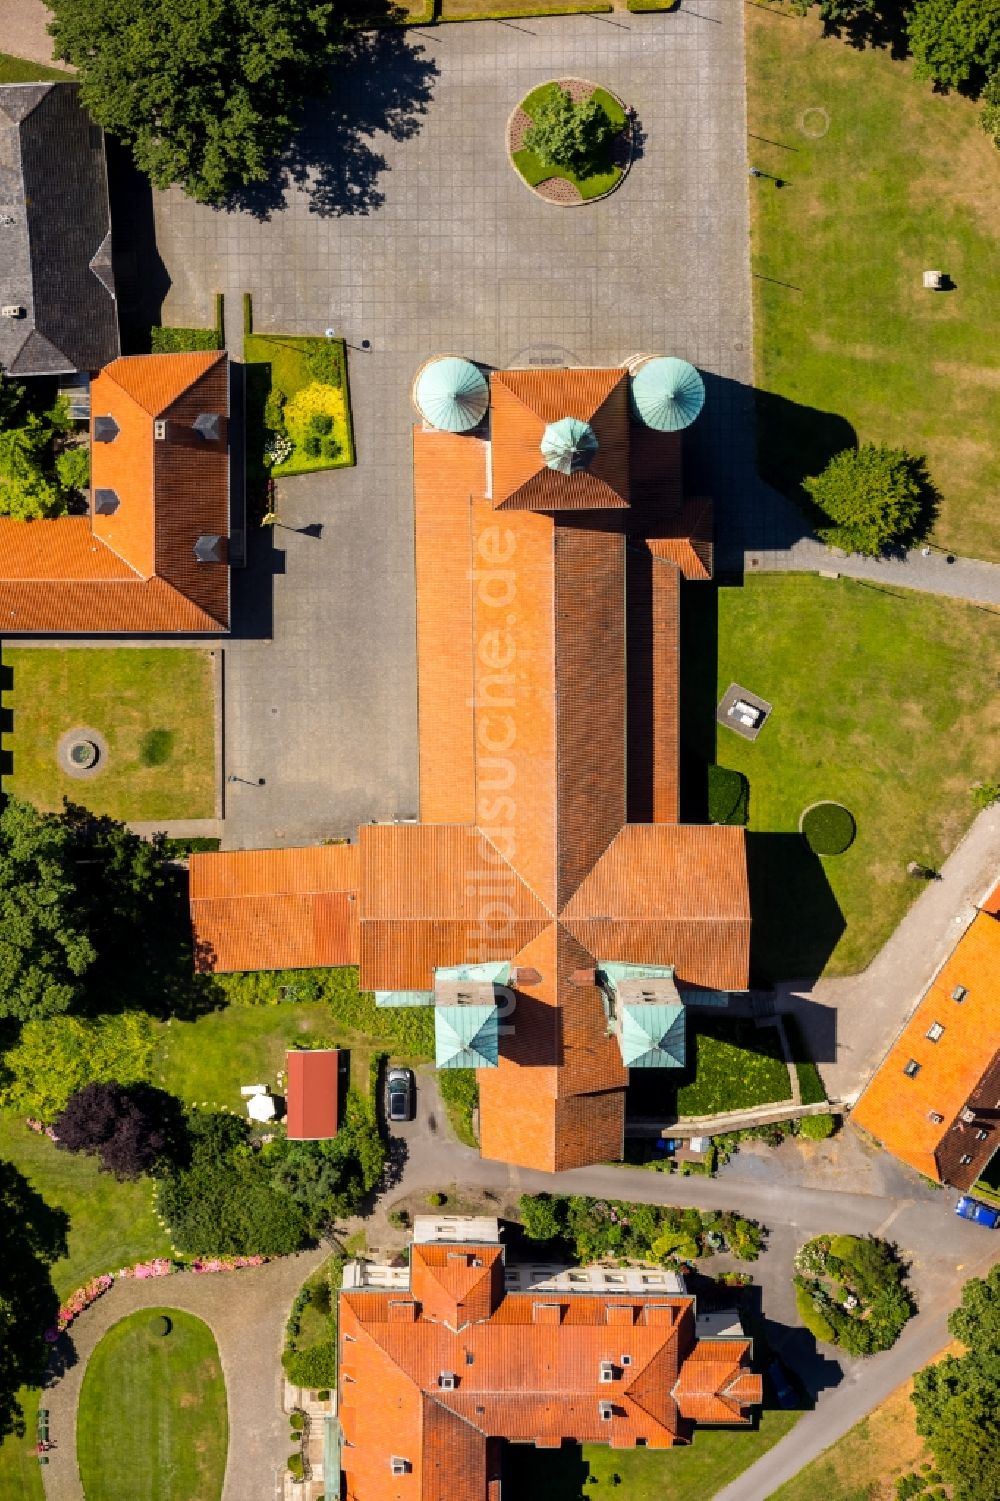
134, 570
521, 1367
312, 1094
919, 1118
547, 634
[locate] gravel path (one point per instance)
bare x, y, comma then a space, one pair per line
246, 1312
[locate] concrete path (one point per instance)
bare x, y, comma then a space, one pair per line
850, 1023
246, 1312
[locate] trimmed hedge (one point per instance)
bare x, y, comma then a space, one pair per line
247, 313
817, 1127
539, 10
652, 4
828, 828
819, 1326
183, 340
728, 796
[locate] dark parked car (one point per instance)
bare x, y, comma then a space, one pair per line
399, 1094
783, 1389
982, 1214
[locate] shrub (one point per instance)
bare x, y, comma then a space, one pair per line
295, 1466
321, 423
319, 1295
311, 446
274, 410
828, 828
129, 1130
460, 1092
990, 118
298, 1421
323, 1396
312, 401
54, 1058
815, 1321
331, 448
437, 1199
569, 134
876, 497
728, 796
312, 1368
817, 1127
73, 467
399, 1218
325, 362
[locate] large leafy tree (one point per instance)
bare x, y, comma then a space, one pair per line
57, 1056
45, 941
958, 1398
204, 92
955, 42
874, 496
31, 486
129, 1130
568, 133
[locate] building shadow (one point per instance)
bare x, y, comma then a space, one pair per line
796, 919
141, 278
382, 85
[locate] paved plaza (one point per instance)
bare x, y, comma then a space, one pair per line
412, 233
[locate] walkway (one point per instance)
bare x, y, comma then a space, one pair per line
246, 1312
850, 1023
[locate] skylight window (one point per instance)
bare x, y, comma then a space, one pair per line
911, 1069
935, 1032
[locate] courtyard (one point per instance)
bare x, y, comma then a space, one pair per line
418, 239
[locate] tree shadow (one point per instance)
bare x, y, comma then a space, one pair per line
34, 1237
875, 23
382, 85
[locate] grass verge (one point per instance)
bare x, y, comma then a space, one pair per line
155, 708
460, 1093
885, 179
865, 1464
22, 70
152, 1420
20, 1472
884, 700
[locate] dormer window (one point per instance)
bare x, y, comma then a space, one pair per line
911, 1069
106, 502
447, 1381
606, 1411
934, 1032
607, 1371
210, 548
399, 1466
105, 429
959, 993
208, 425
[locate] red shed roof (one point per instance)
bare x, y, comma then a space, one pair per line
312, 1094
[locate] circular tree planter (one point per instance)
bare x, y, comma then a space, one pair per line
558, 185
82, 753
828, 828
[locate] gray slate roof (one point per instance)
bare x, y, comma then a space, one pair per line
55, 234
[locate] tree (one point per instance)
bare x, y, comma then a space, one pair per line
73, 468
26, 491
129, 1130
12, 395
205, 92
328, 1180
875, 496
571, 134
45, 943
54, 1058
990, 117
955, 42
542, 1216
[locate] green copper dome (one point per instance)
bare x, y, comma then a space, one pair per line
569, 445
667, 394
451, 394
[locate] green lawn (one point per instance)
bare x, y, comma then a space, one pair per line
695, 1472
534, 171
206, 1061
152, 1420
278, 361
20, 70
112, 1224
731, 1065
155, 707
884, 700
885, 179
20, 1472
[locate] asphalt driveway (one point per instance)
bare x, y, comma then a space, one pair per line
401, 225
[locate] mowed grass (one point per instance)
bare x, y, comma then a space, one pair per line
152, 1420
865, 1463
695, 1472
731, 1065
22, 70
885, 179
20, 1472
885, 701
535, 171
155, 707
111, 1224
206, 1061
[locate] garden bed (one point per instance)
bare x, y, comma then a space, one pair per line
558, 184
297, 390
849, 1291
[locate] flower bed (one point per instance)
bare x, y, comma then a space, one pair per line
298, 403
562, 184
849, 1291
84, 1296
